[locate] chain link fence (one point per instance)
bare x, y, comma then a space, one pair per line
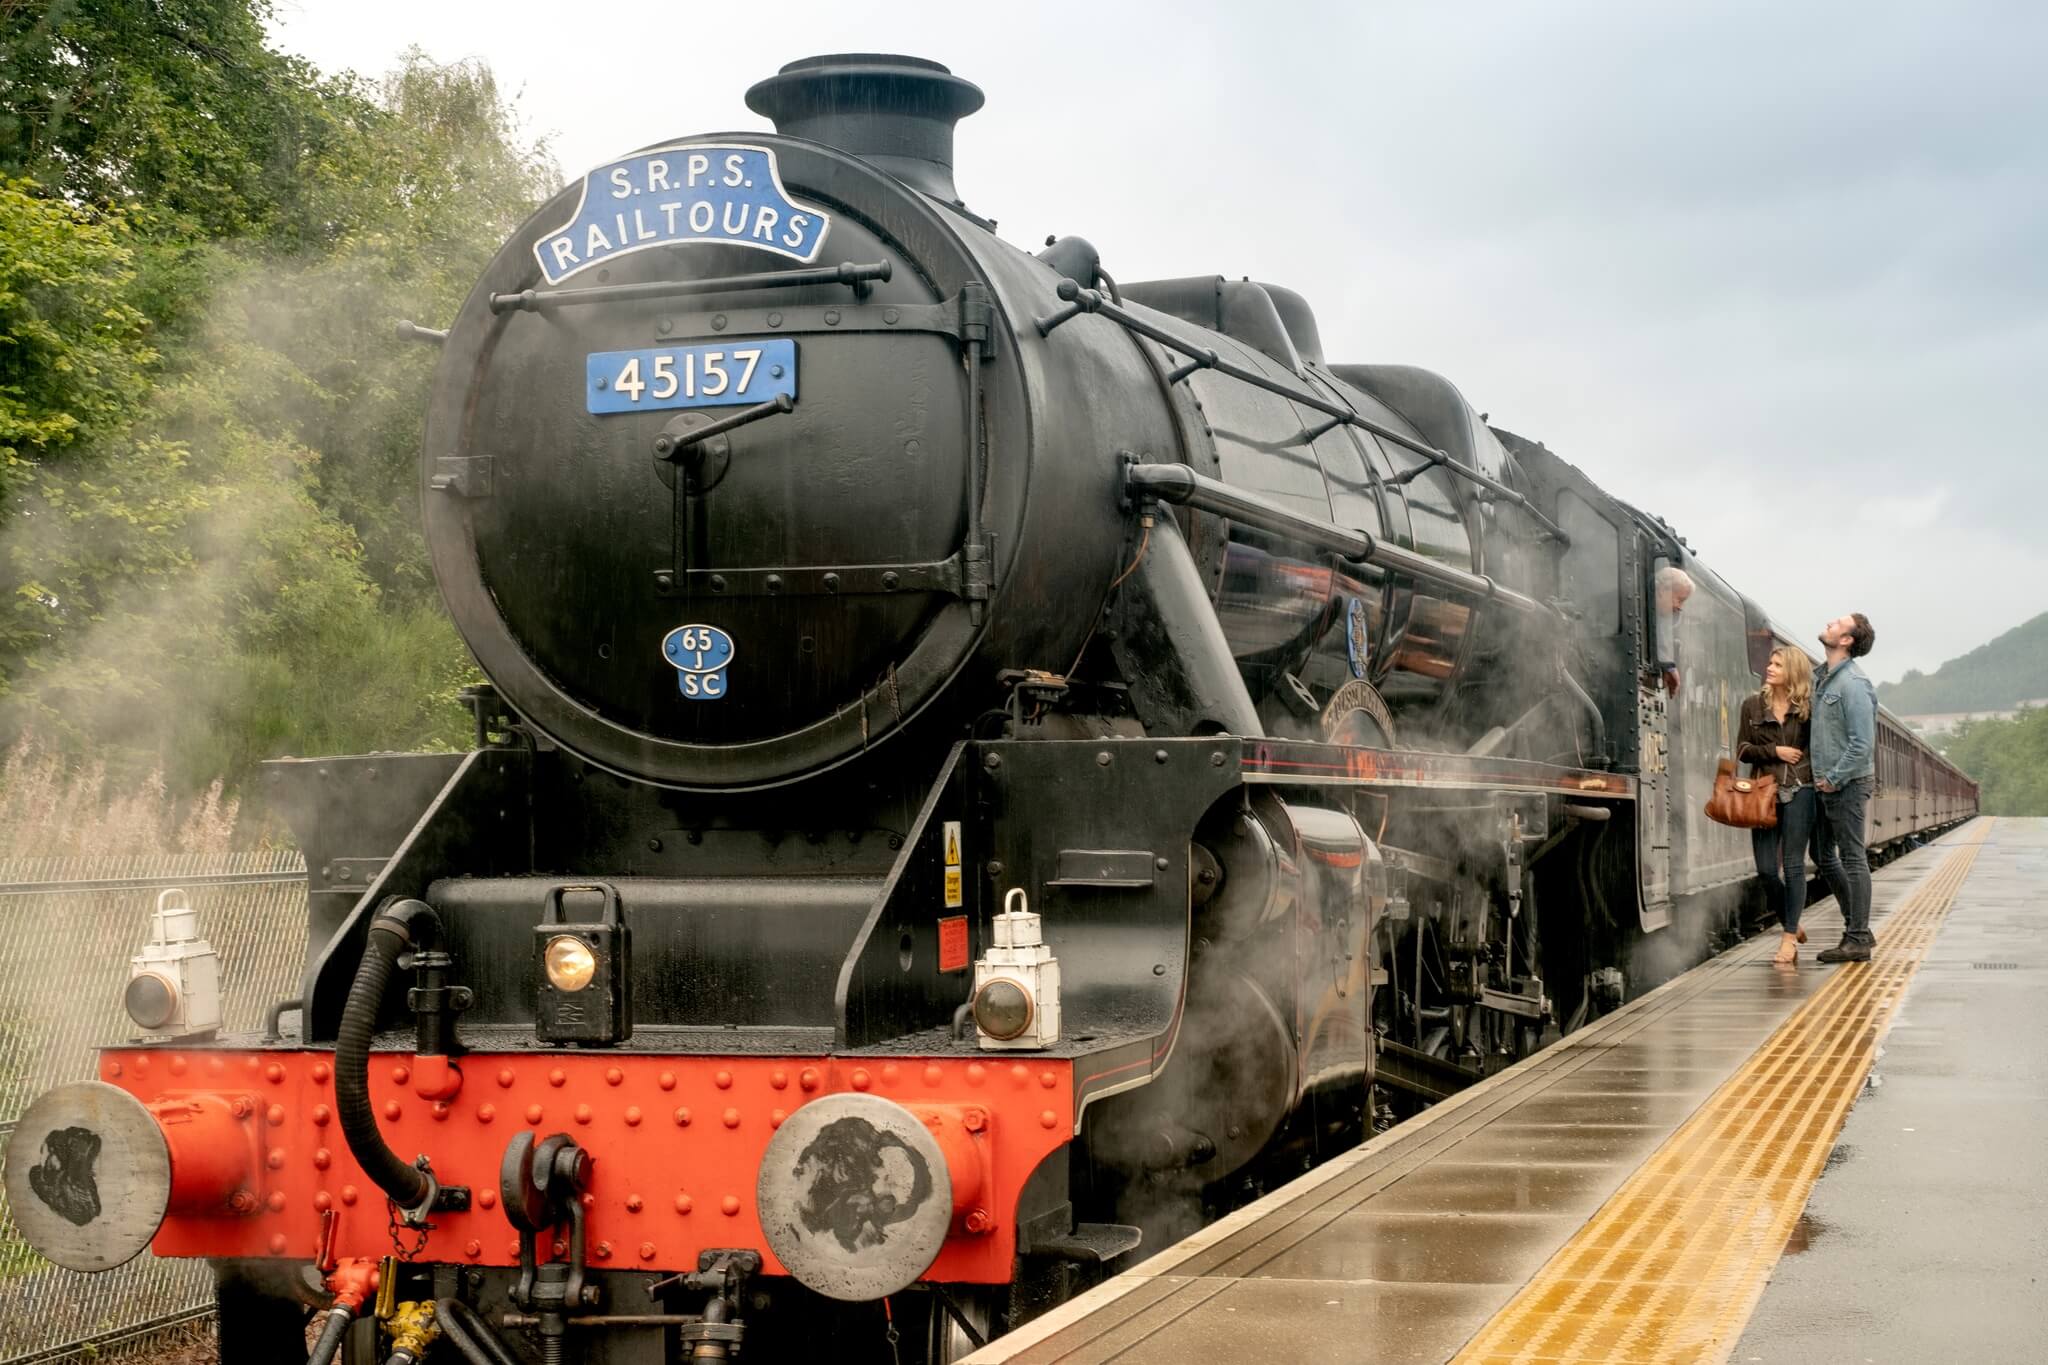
68, 927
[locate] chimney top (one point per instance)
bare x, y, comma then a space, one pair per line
896, 112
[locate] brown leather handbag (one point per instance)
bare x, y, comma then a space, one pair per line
1744, 802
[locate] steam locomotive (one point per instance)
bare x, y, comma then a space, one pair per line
984, 766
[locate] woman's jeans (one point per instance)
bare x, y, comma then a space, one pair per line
1786, 884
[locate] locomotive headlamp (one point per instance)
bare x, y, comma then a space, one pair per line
173, 985
1016, 982
584, 969
570, 963
1002, 1008
151, 1001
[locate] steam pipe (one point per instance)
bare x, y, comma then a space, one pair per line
391, 933
1177, 483
1177, 647
273, 1019
1592, 710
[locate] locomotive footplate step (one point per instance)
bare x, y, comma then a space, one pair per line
1626, 1194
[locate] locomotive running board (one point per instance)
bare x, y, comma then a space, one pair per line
1285, 762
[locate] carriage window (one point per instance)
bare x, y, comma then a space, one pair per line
1592, 566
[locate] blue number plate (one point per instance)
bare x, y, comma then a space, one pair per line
717, 375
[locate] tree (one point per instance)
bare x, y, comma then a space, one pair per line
2009, 760
179, 105
72, 347
216, 559
74, 359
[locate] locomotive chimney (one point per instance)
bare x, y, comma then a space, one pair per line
896, 112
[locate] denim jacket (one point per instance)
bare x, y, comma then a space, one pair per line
1844, 724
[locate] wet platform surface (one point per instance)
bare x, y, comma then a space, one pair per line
1410, 1248
1927, 1238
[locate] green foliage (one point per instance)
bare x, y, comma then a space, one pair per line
72, 349
2009, 759
178, 105
2011, 669
211, 555
77, 486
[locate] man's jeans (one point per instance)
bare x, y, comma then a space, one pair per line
1839, 849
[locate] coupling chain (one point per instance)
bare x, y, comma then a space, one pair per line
402, 1227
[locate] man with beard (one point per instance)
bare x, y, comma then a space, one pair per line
1844, 771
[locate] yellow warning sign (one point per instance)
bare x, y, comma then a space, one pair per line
952, 887
952, 843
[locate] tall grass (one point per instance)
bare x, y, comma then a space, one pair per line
51, 808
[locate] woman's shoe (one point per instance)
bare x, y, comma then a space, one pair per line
1802, 935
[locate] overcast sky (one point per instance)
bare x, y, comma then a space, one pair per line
1778, 272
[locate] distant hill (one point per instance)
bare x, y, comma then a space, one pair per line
2011, 669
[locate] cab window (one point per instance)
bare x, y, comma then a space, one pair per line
1670, 589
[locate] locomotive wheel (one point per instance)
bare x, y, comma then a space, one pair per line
945, 1340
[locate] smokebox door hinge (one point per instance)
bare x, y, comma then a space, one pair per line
977, 317
975, 571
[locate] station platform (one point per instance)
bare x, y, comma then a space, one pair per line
1627, 1195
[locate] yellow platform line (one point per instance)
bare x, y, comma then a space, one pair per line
1672, 1266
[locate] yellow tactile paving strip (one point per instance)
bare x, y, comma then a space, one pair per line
1672, 1265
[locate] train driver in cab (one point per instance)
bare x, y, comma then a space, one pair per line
1673, 588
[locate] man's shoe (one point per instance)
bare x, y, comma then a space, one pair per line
1843, 952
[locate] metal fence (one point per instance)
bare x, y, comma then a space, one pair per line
67, 929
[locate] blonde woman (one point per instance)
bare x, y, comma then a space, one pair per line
1776, 725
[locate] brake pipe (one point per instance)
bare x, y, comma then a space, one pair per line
395, 929
351, 1282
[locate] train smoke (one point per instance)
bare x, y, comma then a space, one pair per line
234, 570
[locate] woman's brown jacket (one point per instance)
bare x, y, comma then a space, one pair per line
1762, 733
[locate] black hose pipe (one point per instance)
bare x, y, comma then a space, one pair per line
338, 1319
407, 924
471, 1334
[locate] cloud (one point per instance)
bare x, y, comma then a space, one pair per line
1907, 513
